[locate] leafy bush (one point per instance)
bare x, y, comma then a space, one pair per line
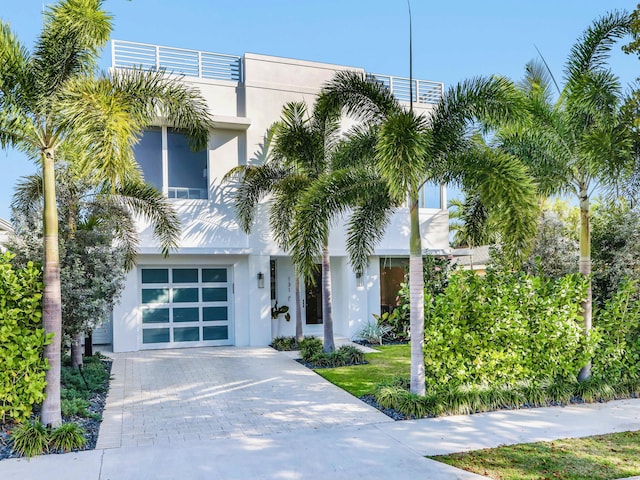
67, 437
75, 407
284, 344
309, 347
374, 332
345, 355
617, 356
30, 438
22, 340
78, 386
504, 328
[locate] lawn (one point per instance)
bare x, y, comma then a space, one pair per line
601, 457
359, 380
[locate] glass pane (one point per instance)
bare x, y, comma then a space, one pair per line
148, 153
155, 315
182, 295
191, 334
155, 335
155, 275
185, 275
186, 314
214, 294
187, 169
214, 274
211, 314
155, 295
215, 333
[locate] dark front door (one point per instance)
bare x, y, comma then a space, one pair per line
313, 299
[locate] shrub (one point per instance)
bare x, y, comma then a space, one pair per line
309, 347
504, 328
350, 355
22, 340
560, 391
67, 437
30, 438
75, 407
617, 356
284, 344
374, 332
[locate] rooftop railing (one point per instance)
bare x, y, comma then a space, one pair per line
191, 63
219, 66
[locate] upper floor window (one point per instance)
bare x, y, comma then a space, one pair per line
170, 165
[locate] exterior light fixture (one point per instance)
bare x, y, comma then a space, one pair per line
260, 280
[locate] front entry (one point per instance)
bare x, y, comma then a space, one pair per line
313, 300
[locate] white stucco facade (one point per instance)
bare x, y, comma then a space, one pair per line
212, 242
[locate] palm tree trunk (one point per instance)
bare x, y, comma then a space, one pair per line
76, 341
299, 334
327, 314
416, 301
52, 314
585, 269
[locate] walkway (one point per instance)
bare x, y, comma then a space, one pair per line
231, 414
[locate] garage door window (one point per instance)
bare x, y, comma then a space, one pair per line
185, 306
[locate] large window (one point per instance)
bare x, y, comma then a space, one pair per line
170, 165
392, 274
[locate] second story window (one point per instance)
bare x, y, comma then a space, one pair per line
170, 165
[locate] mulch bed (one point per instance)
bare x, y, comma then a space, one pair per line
91, 426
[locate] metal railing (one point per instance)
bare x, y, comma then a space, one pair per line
424, 91
191, 63
219, 66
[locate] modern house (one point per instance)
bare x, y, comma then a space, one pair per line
220, 286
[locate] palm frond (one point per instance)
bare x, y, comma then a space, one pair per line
401, 151
359, 96
73, 35
28, 195
147, 202
592, 49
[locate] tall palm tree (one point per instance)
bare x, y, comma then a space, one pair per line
52, 99
407, 150
301, 148
575, 138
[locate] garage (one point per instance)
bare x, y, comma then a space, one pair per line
185, 306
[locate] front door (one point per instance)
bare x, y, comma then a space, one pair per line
313, 300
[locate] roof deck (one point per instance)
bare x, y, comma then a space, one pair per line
219, 66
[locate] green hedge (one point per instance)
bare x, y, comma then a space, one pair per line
22, 340
505, 328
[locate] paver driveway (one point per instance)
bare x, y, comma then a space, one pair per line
174, 396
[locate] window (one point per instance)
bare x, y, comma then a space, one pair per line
392, 274
170, 165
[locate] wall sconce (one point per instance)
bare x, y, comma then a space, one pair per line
260, 280
359, 280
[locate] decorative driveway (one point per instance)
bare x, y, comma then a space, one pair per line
163, 397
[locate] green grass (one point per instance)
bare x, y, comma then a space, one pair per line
358, 380
602, 457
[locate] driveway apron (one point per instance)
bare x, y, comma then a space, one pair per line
164, 397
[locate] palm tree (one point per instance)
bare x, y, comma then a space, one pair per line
83, 205
301, 148
408, 150
269, 175
52, 99
577, 140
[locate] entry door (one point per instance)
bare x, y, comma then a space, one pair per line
313, 300
185, 307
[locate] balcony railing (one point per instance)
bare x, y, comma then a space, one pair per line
219, 66
191, 63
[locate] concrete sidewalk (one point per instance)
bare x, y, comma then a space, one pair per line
384, 450
231, 414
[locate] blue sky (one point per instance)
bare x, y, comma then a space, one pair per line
453, 40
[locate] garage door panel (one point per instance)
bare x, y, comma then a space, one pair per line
186, 306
